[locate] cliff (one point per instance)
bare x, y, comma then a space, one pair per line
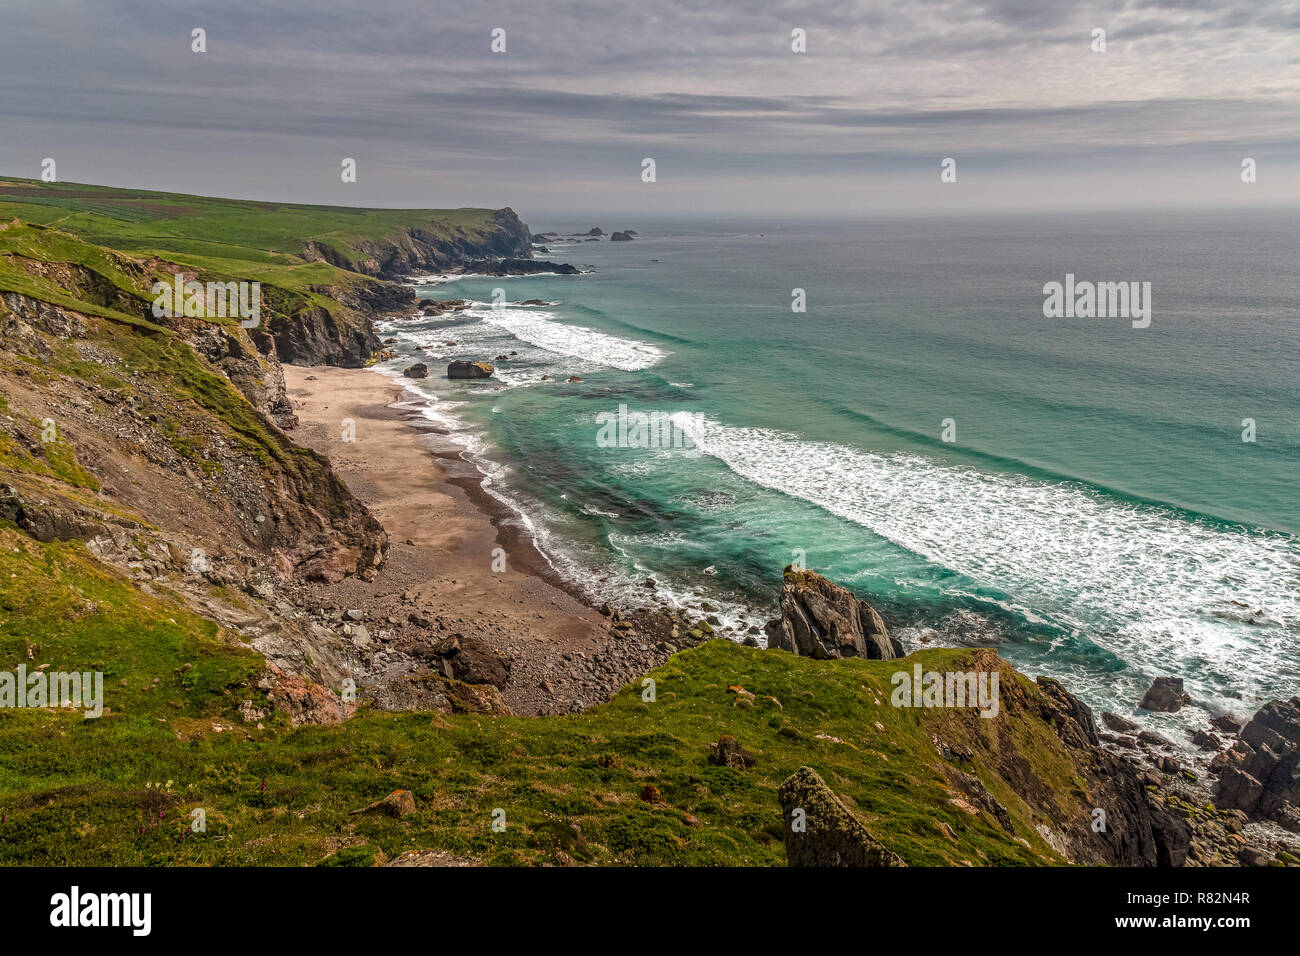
325, 271
429, 247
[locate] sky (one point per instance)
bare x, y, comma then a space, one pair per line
736, 121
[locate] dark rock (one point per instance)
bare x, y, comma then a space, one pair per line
820, 830
473, 661
1205, 741
1153, 740
461, 369
1261, 772
1119, 724
1226, 724
519, 267
821, 619
1252, 856
621, 237
418, 370
1165, 695
727, 752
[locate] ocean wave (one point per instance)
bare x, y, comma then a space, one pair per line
543, 331
1141, 581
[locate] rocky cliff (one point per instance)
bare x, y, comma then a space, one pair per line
433, 247
824, 620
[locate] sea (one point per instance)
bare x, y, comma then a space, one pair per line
885, 402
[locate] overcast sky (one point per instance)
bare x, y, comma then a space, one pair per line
736, 122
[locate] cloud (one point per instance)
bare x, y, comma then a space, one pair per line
588, 87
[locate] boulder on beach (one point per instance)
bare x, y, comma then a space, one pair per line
418, 370
821, 619
820, 830
460, 369
472, 660
1165, 695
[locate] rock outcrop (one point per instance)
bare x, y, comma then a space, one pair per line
460, 369
517, 267
418, 370
820, 830
728, 752
1260, 773
315, 335
824, 620
621, 237
1165, 695
432, 247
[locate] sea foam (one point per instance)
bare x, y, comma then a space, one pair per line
1159, 581
542, 330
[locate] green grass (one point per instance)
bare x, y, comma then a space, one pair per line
143, 221
108, 235
76, 790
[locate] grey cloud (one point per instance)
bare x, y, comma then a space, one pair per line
590, 85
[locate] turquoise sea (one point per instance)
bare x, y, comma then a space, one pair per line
1096, 512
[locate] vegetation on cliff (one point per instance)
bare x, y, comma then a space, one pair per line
319, 266
121, 789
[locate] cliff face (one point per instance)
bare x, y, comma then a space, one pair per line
323, 269
416, 249
344, 335
319, 336
170, 435
1032, 763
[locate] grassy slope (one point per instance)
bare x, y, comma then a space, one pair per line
219, 239
213, 234
76, 790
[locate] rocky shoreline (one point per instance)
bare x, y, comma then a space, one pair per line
422, 631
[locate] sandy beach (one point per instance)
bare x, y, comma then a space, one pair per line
444, 531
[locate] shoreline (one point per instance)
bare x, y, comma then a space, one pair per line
562, 670
444, 529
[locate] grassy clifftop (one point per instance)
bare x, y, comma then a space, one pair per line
320, 267
570, 787
145, 223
